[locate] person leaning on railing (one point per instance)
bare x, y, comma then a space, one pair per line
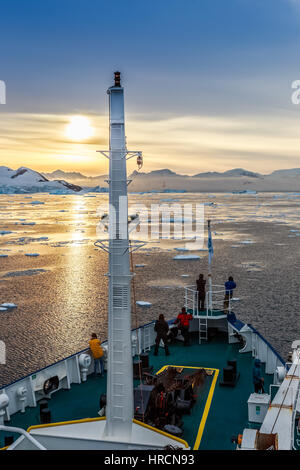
97, 353
230, 285
201, 282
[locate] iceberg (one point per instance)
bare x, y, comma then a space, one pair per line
34, 255
9, 305
142, 303
186, 257
5, 232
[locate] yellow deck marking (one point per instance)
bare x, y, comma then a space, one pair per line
206, 411
208, 401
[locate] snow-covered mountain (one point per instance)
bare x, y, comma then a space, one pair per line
291, 173
236, 172
25, 180
60, 174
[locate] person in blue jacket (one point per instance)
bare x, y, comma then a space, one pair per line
258, 379
230, 285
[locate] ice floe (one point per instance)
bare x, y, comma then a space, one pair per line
28, 272
186, 257
34, 255
142, 303
5, 232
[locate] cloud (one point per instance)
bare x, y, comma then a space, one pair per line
187, 144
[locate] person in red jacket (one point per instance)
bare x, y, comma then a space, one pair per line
183, 321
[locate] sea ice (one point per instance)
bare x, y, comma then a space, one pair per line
186, 257
32, 254
141, 303
5, 232
28, 272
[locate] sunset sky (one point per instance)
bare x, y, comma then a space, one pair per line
207, 82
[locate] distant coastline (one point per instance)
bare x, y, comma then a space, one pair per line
238, 180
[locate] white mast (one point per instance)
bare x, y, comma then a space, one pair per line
119, 409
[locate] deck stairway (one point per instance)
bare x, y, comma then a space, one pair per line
213, 310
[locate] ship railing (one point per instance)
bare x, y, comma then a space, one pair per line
69, 370
33, 442
215, 302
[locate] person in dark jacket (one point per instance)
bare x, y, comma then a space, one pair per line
183, 322
161, 327
201, 282
230, 285
258, 380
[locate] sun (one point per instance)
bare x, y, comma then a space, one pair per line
79, 128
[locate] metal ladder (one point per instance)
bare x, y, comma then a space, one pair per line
120, 301
202, 329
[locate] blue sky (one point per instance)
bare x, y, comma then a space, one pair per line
227, 61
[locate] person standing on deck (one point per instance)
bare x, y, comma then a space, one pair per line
183, 320
97, 353
161, 327
201, 282
230, 285
258, 380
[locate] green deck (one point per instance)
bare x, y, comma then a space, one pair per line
228, 412
203, 313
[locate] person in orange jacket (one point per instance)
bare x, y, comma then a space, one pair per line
97, 353
183, 322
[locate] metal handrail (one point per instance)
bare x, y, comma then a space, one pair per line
216, 302
24, 433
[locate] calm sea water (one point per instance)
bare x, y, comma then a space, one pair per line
61, 294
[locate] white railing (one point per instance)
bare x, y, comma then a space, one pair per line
215, 302
35, 444
68, 370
